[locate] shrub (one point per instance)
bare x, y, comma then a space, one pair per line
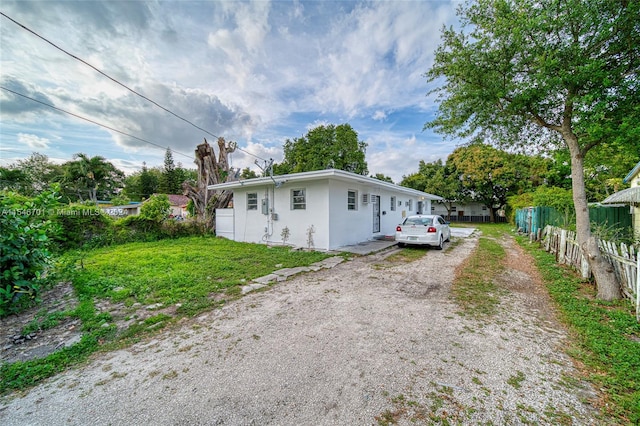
24, 248
156, 208
81, 225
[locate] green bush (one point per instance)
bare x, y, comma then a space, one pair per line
24, 248
156, 208
81, 225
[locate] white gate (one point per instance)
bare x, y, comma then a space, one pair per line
225, 223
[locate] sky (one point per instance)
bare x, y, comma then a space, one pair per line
256, 73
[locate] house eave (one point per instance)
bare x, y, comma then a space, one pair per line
322, 174
632, 173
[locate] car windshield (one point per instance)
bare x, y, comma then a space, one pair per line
419, 221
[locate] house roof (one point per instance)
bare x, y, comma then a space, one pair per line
632, 173
177, 200
341, 175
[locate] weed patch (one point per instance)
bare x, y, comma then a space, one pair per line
474, 288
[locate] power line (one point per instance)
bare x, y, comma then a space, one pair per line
116, 81
93, 121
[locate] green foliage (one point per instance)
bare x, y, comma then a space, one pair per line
91, 178
156, 208
607, 332
80, 225
247, 173
120, 200
558, 198
438, 179
30, 176
382, 177
487, 175
141, 185
172, 177
24, 248
325, 147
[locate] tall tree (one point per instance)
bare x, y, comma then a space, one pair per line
211, 171
487, 175
170, 181
438, 179
325, 147
538, 72
32, 175
142, 184
90, 178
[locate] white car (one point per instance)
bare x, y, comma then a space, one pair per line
431, 230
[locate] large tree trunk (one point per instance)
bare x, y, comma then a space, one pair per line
606, 281
210, 172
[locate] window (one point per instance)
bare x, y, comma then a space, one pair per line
433, 208
352, 200
453, 208
252, 201
484, 208
393, 204
298, 199
426, 221
410, 205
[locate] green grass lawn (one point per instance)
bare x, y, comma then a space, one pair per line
182, 271
195, 273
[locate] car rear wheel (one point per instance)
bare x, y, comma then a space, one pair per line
441, 243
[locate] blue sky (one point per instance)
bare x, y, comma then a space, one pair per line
257, 73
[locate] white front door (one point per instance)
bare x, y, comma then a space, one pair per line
376, 213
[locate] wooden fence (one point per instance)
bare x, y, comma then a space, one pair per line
625, 260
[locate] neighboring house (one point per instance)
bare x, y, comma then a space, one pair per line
178, 204
466, 212
341, 208
633, 178
630, 196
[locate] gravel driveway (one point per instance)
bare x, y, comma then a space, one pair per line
367, 342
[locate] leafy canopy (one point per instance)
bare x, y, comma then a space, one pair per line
324, 147
530, 71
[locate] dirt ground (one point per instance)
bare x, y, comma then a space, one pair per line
368, 342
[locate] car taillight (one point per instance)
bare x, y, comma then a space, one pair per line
431, 229
398, 228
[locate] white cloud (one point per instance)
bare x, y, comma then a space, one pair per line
253, 72
33, 141
379, 115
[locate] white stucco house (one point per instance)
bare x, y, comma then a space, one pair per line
343, 208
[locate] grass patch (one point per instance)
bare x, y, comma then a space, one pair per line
407, 255
604, 334
185, 271
474, 288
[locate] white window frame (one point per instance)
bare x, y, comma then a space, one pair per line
393, 203
252, 201
352, 200
298, 199
410, 204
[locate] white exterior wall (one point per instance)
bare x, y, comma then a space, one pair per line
326, 209
250, 225
468, 209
